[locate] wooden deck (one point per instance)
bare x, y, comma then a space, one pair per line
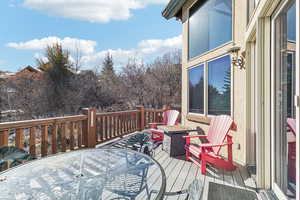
181, 173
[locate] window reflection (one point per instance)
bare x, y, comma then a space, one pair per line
210, 25
196, 89
219, 86
285, 122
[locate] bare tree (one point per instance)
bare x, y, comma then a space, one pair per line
77, 57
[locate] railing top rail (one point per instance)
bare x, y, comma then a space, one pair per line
117, 113
154, 110
37, 122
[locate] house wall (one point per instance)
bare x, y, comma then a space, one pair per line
238, 79
257, 31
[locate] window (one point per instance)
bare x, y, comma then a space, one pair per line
210, 25
219, 86
291, 21
196, 89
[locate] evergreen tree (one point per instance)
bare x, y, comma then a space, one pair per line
58, 73
108, 66
58, 67
227, 92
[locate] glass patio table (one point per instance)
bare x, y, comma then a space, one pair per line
86, 174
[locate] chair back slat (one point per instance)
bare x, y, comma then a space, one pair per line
218, 129
170, 117
292, 125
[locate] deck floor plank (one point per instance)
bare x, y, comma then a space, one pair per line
180, 174
228, 178
248, 181
238, 180
174, 176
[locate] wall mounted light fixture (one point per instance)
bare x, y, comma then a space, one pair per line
237, 60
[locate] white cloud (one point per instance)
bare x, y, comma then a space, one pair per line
145, 49
85, 46
154, 47
39, 56
90, 10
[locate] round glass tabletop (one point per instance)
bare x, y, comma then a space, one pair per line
86, 174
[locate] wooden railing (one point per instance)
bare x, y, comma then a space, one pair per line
116, 124
53, 135
45, 136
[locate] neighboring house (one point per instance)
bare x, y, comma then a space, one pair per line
239, 58
29, 72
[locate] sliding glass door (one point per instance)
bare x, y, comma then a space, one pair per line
283, 106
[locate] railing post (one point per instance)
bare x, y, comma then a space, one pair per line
142, 117
166, 107
4, 138
89, 127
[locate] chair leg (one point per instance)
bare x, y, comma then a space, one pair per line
203, 164
187, 155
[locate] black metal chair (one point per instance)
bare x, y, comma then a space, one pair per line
13, 156
129, 183
141, 142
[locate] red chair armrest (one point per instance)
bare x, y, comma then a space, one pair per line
188, 138
195, 136
214, 145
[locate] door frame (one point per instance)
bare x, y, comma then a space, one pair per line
297, 98
280, 194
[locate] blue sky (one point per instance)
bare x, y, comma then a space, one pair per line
127, 28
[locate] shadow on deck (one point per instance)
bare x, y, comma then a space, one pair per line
181, 173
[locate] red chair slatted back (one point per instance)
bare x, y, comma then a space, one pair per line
170, 117
292, 125
218, 129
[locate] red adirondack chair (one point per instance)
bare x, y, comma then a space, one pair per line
209, 152
292, 125
169, 119
292, 151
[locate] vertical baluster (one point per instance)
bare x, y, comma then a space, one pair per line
4, 138
125, 123
117, 125
114, 125
84, 132
153, 114
120, 124
131, 122
71, 133
111, 126
100, 128
44, 147
19, 140
63, 137
97, 130
136, 121
79, 134
54, 138
106, 127
32, 141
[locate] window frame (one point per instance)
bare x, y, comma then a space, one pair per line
205, 65
214, 49
250, 13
